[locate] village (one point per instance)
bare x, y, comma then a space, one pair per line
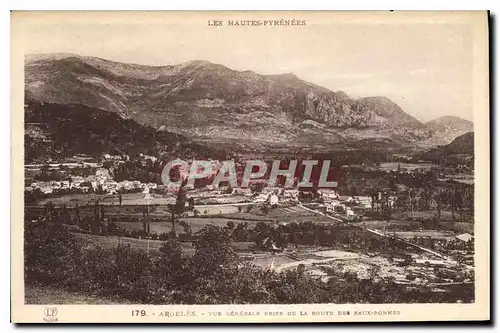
99, 180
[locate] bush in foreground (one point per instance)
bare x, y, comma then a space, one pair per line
213, 275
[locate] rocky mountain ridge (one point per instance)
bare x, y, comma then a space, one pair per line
212, 103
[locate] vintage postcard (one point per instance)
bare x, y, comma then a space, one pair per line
191, 167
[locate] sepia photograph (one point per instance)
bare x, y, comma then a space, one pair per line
250, 166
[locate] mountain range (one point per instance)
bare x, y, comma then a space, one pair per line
214, 105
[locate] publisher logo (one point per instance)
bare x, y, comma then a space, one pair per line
50, 314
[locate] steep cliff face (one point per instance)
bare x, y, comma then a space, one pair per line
211, 102
335, 110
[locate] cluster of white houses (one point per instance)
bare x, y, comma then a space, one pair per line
102, 180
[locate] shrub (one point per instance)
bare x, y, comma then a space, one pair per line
213, 275
49, 253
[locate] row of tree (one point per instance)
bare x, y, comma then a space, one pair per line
406, 193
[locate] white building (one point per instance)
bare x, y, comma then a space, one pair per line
364, 201
291, 194
47, 189
330, 206
103, 174
262, 197
328, 194
273, 199
148, 157
243, 191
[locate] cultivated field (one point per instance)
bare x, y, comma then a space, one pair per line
398, 225
220, 215
243, 248
142, 244
196, 223
441, 234
446, 215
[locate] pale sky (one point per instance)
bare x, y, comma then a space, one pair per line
426, 68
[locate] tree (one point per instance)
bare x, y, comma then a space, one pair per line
440, 197
33, 196
386, 209
107, 164
170, 255
257, 188
240, 233
96, 222
77, 213
99, 189
374, 195
186, 227
411, 197
49, 252
191, 204
265, 209
295, 287
45, 169
214, 251
179, 207
230, 225
460, 205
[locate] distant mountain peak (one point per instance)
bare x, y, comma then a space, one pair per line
379, 98
196, 63
447, 128
384, 107
49, 56
449, 119
289, 75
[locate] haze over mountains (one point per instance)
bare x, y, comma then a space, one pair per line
215, 105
